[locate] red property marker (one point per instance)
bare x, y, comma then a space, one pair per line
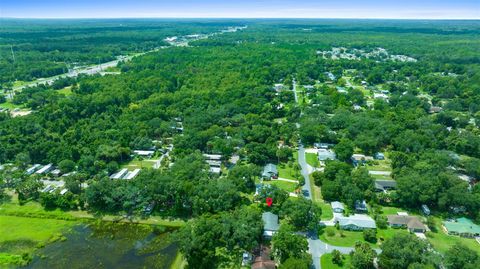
269, 201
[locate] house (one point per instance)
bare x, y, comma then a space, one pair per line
131, 174
270, 224
322, 145
425, 210
214, 162
413, 224
262, 259
360, 159
379, 156
216, 157
341, 89
356, 222
435, 109
56, 173
326, 154
337, 207
462, 227
330, 75
380, 96
278, 87
47, 168
144, 153
385, 185
120, 174
270, 171
361, 206
32, 169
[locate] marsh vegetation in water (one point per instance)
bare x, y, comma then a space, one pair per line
110, 245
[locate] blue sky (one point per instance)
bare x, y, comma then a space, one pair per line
406, 9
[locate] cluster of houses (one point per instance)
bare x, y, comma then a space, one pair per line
356, 222
39, 169
361, 221
378, 54
214, 162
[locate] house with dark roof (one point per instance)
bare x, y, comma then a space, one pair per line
385, 185
361, 206
270, 224
262, 259
412, 223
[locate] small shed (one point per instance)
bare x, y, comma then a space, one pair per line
337, 207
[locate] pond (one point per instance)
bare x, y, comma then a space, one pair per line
110, 245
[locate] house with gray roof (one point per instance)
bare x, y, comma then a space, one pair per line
356, 222
337, 207
270, 224
326, 154
270, 171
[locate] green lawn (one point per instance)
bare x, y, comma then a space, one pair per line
135, 163
9, 105
442, 241
284, 185
312, 159
380, 165
327, 212
66, 91
349, 238
326, 262
341, 238
285, 171
387, 210
23, 235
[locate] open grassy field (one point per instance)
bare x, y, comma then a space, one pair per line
135, 163
312, 159
66, 91
326, 262
327, 212
284, 185
285, 171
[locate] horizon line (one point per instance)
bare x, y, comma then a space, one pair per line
249, 18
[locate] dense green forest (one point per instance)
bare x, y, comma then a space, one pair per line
43, 48
221, 89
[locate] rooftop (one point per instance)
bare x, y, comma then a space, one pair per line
462, 225
360, 220
270, 221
